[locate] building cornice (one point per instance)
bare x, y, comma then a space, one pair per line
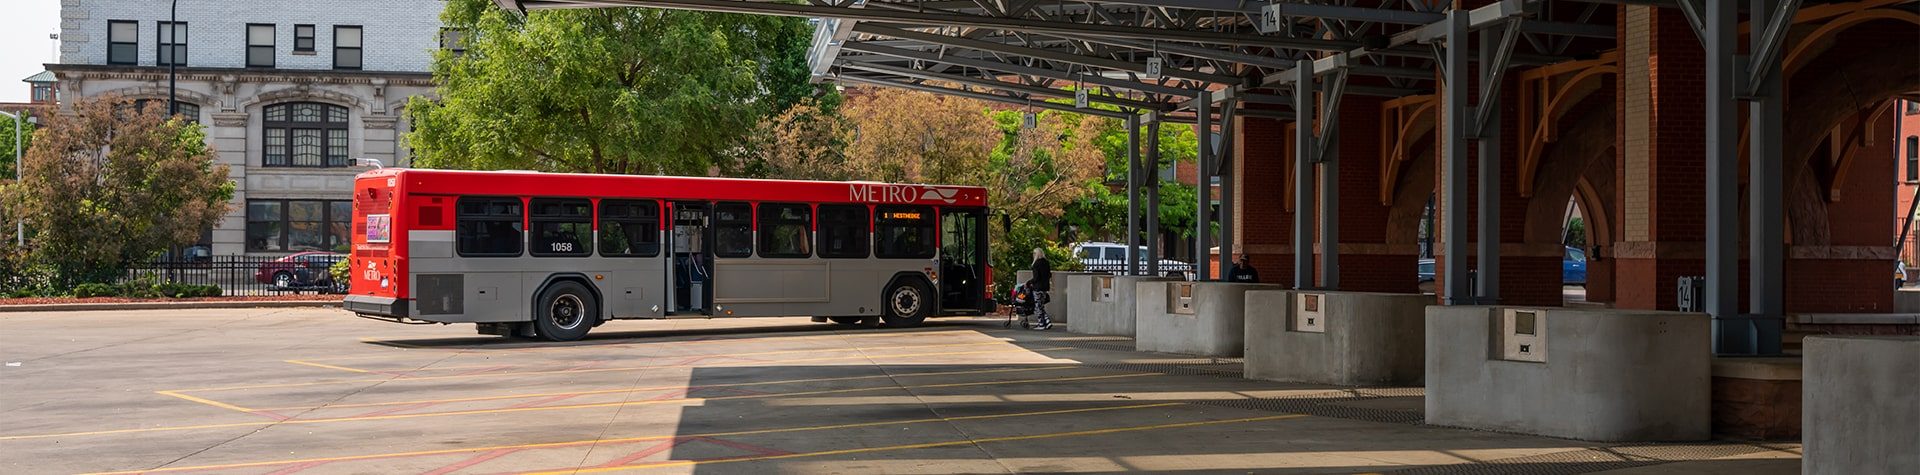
221, 75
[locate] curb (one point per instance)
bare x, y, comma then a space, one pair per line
85, 307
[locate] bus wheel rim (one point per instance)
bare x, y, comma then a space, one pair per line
566, 311
906, 302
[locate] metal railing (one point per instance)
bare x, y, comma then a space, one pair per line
237, 275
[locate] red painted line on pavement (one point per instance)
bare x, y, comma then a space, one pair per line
297, 468
270, 415
392, 410
476, 460
743, 446
646, 452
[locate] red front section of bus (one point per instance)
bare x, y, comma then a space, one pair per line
379, 267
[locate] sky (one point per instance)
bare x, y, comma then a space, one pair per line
24, 47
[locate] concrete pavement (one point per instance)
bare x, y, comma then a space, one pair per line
317, 391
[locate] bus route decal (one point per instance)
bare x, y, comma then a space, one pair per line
874, 193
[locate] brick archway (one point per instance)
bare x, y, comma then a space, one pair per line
1828, 89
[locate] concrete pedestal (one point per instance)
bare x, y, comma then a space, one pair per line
1605, 375
1342, 338
1193, 318
1104, 305
1061, 307
1861, 414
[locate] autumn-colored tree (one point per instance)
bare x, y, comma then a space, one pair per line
909, 136
804, 143
111, 184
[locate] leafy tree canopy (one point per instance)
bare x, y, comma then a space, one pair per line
605, 90
111, 184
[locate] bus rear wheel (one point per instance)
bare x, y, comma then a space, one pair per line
566, 312
908, 304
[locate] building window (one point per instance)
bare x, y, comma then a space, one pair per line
173, 44
298, 225
303, 38
305, 134
43, 93
905, 232
454, 40
1913, 158
732, 229
786, 230
487, 227
1913, 108
187, 110
123, 42
346, 47
629, 228
843, 231
561, 227
260, 45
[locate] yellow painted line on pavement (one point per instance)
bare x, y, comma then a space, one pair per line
327, 366
206, 401
762, 353
636, 439
950, 443
563, 407
662, 388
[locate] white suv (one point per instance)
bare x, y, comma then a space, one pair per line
1112, 257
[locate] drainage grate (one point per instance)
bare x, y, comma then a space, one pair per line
1199, 368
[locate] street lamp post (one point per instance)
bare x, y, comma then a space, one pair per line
20, 227
173, 35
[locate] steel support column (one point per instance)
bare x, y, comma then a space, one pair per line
1731, 335
1767, 214
1153, 193
1229, 115
1133, 195
1303, 158
1486, 130
1203, 212
1328, 156
1453, 164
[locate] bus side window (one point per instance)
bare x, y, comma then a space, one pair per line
629, 228
904, 232
561, 227
733, 229
843, 232
487, 226
786, 230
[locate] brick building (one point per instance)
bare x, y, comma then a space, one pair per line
1907, 153
291, 92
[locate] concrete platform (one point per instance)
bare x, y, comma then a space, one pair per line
1610, 375
1340, 338
318, 392
1193, 318
1861, 412
1105, 305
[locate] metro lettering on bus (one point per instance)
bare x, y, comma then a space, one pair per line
552, 255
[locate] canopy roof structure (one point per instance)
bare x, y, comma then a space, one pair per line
1147, 55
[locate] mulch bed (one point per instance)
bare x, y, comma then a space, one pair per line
246, 298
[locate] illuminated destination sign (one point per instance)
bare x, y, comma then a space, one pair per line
907, 215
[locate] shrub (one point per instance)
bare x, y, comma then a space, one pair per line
342, 273
95, 290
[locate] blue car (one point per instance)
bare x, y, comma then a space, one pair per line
1573, 268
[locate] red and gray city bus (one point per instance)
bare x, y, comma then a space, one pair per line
551, 255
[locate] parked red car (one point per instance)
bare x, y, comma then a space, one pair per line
299, 271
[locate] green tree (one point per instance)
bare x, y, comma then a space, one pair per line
605, 90
111, 184
6, 142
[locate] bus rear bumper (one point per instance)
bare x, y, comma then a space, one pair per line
380, 306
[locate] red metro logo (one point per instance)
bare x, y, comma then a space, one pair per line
878, 193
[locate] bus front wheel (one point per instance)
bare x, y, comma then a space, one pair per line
908, 304
566, 312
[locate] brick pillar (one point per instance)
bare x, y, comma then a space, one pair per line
1367, 262
1530, 273
1265, 222
1662, 171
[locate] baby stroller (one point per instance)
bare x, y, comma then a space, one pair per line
1022, 307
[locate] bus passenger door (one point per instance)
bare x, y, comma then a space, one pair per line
963, 261
691, 266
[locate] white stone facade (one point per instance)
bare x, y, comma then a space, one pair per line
399, 38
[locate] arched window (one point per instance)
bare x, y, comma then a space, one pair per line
305, 134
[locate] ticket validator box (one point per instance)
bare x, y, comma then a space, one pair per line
1309, 313
1523, 335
